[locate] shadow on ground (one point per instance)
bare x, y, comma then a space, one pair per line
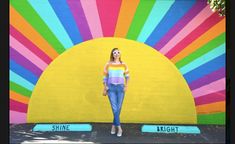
22, 133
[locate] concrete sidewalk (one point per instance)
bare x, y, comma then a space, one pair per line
22, 133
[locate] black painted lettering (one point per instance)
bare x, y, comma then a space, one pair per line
172, 129
176, 129
164, 128
168, 129
158, 129
67, 127
57, 127
53, 128
63, 127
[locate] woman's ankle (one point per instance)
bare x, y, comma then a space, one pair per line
119, 128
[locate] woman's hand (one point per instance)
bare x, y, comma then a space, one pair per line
106, 87
104, 92
125, 88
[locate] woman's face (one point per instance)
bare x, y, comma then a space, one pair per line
116, 54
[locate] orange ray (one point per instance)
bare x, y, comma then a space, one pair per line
211, 108
18, 97
126, 14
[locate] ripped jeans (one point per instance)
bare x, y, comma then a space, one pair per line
116, 95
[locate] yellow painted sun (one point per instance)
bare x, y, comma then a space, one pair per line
70, 89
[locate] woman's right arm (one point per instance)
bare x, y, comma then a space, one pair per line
105, 76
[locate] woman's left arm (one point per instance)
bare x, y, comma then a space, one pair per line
127, 76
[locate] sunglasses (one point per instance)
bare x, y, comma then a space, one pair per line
116, 52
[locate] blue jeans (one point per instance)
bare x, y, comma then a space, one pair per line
116, 95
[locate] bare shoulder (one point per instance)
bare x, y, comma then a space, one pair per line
107, 63
124, 63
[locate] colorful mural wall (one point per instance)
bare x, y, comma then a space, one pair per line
175, 50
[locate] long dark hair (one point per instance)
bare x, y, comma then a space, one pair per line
111, 55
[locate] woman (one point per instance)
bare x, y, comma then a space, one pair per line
116, 76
